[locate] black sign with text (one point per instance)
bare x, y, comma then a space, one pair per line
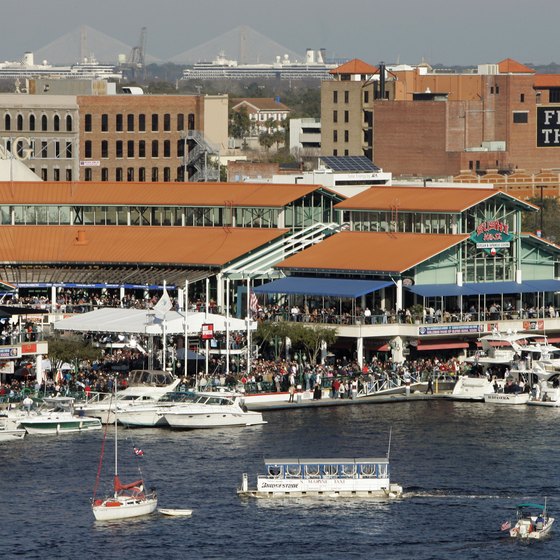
548, 126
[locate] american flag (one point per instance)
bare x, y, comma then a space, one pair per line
253, 303
138, 451
506, 526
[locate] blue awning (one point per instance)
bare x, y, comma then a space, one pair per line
491, 288
334, 287
433, 290
544, 285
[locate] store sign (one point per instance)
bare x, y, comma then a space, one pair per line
492, 235
207, 331
10, 352
449, 329
537, 325
548, 126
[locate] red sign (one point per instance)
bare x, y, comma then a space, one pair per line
29, 348
207, 331
536, 325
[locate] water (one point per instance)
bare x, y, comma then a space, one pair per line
464, 466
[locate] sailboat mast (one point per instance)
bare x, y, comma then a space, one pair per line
115, 381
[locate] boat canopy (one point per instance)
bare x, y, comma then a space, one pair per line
531, 506
341, 461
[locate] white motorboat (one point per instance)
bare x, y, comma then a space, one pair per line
212, 410
471, 388
57, 417
10, 434
533, 522
507, 398
145, 386
175, 512
127, 500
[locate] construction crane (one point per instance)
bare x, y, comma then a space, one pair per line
136, 62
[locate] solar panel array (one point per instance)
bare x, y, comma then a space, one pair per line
349, 163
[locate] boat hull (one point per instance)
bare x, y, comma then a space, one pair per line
471, 389
113, 509
192, 420
50, 427
12, 435
507, 398
524, 529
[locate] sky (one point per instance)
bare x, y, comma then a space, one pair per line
448, 32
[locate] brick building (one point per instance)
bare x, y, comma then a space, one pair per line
415, 122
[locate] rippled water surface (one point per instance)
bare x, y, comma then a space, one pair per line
464, 466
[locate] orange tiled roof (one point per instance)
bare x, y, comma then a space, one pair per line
421, 199
261, 103
130, 245
510, 66
355, 66
371, 252
547, 80
153, 194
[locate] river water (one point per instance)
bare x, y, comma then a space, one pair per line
463, 466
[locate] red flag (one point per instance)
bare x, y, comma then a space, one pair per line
138, 452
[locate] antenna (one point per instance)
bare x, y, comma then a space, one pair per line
389, 446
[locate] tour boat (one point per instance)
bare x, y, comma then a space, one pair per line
145, 386
127, 500
212, 410
533, 522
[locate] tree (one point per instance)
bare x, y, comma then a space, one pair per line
239, 123
71, 349
546, 220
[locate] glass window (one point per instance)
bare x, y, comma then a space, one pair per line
167, 122
88, 174
69, 174
142, 174
167, 148
118, 174
155, 122
155, 174
87, 149
155, 148
19, 121
119, 122
68, 150
130, 174
104, 174
44, 123
191, 121
142, 122
130, 149
167, 174
56, 123
335, 96
104, 122
56, 176
104, 149
346, 96
7, 122
130, 122
335, 116
142, 148
31, 122
68, 123
180, 121
119, 148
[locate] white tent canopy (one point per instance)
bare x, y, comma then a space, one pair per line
144, 321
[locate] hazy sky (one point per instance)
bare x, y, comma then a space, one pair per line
440, 31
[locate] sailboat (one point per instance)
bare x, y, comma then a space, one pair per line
128, 500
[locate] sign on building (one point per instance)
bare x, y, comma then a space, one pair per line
548, 126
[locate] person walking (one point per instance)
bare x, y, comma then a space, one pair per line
430, 388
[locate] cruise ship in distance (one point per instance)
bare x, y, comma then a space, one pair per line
314, 68
88, 68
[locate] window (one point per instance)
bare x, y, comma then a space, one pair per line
104, 174
167, 122
87, 123
155, 122
491, 89
7, 122
68, 123
130, 174
155, 174
142, 149
191, 121
335, 152
155, 148
346, 96
142, 174
57, 149
31, 122
130, 122
335, 96
497, 90
19, 121
345, 152
167, 174
366, 96
44, 149
346, 136
44, 123
142, 122
335, 116
68, 150
68, 174
104, 122
522, 98
118, 174
180, 148
180, 121
119, 122
105, 149
130, 149
554, 95
520, 117
335, 136
166, 148
87, 149
56, 124
88, 175
119, 148
56, 174
346, 116
44, 174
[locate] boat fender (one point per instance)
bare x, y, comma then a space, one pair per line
530, 528
244, 408
97, 502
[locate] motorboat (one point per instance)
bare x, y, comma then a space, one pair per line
10, 434
175, 512
57, 418
127, 500
533, 522
145, 386
507, 398
339, 477
212, 410
151, 415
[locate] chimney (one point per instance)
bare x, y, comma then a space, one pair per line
382, 80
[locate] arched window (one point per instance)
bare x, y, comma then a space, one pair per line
56, 123
190, 121
68, 123
44, 123
20, 122
31, 122
7, 122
